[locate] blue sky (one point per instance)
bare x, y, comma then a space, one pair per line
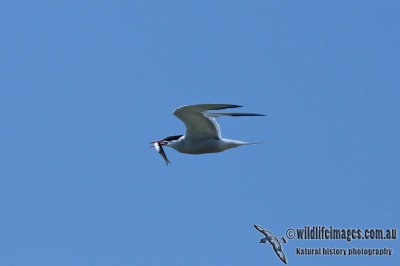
86, 85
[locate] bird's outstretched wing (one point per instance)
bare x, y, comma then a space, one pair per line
267, 233
259, 228
281, 255
200, 124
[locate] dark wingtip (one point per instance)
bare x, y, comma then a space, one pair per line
256, 115
241, 114
251, 114
226, 106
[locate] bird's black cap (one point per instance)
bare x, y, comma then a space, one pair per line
172, 138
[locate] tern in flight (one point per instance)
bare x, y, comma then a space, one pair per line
274, 241
203, 134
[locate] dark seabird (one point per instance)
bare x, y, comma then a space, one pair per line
274, 241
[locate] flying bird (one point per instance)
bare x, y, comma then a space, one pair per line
203, 134
274, 241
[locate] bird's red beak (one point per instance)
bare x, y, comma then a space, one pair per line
160, 142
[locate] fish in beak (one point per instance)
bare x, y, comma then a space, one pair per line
158, 145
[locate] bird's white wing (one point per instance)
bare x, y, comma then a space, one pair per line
200, 125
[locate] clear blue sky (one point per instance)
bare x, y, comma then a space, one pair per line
86, 85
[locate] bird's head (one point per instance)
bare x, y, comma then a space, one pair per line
263, 240
159, 142
168, 141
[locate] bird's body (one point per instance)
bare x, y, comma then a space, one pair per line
203, 134
199, 146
